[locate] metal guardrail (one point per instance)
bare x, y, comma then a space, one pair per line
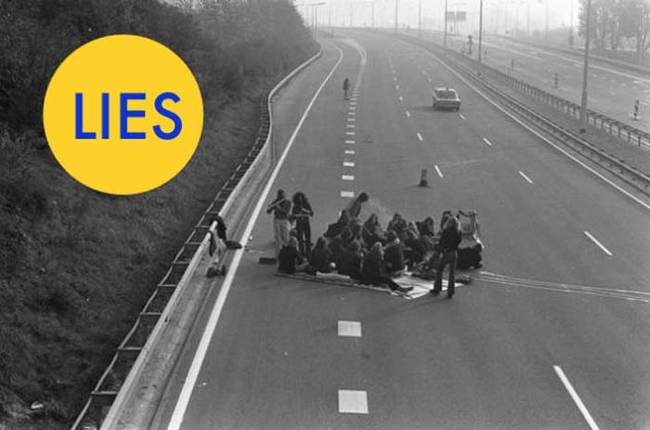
613, 126
107, 388
615, 166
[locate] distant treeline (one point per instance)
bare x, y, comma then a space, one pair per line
616, 24
223, 41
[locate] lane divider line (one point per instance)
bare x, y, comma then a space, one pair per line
350, 142
347, 194
350, 125
197, 361
408, 114
401, 98
349, 152
523, 175
420, 138
576, 398
349, 328
348, 164
487, 141
438, 171
600, 245
353, 402
350, 133
538, 134
461, 116
347, 177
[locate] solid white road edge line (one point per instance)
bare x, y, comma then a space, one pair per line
539, 135
197, 362
600, 245
576, 398
438, 171
523, 175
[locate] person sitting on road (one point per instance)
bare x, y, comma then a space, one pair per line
336, 228
320, 259
398, 225
427, 227
414, 247
393, 254
374, 272
351, 261
372, 231
289, 260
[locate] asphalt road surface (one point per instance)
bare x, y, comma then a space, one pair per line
612, 90
553, 333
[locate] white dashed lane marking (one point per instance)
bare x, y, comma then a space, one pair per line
350, 125
349, 328
487, 141
574, 395
401, 98
461, 116
349, 152
353, 402
350, 133
438, 171
523, 175
348, 164
420, 137
408, 114
347, 194
347, 177
350, 142
600, 245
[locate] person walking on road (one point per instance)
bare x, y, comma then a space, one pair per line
346, 89
300, 213
281, 208
450, 238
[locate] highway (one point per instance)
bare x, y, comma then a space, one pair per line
553, 332
612, 90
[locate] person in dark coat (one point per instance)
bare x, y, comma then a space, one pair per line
398, 225
289, 259
372, 231
374, 272
321, 257
449, 240
393, 254
351, 261
301, 212
353, 209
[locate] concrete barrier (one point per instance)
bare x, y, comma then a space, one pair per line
139, 395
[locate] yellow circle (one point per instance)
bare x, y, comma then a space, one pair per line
123, 114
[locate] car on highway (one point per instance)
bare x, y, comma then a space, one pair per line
446, 98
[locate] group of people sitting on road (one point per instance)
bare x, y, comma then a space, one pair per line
367, 252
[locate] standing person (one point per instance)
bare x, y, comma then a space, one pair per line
353, 209
281, 208
346, 89
449, 240
301, 212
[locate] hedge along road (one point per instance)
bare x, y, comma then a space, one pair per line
289, 354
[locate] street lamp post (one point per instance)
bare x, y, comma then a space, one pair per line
585, 72
444, 43
480, 36
396, 12
420, 17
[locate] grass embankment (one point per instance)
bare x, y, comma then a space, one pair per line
76, 266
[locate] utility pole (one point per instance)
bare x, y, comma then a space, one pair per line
585, 72
528, 19
420, 17
396, 11
372, 21
480, 36
571, 28
444, 43
351, 14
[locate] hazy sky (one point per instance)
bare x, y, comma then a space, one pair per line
499, 13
